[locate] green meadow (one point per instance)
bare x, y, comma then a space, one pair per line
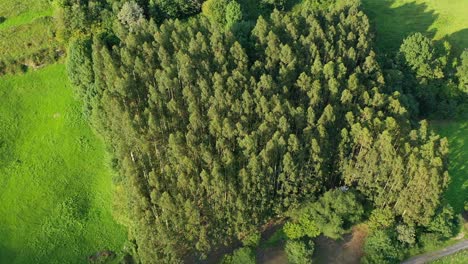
26, 35
55, 187
395, 19
457, 134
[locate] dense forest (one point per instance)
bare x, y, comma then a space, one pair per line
222, 115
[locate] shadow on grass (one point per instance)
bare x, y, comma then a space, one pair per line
393, 24
457, 134
459, 41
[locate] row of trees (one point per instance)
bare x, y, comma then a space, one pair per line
213, 135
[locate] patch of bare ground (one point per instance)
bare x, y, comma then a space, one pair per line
348, 250
272, 255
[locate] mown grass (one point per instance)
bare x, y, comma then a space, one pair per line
457, 258
55, 189
457, 134
396, 19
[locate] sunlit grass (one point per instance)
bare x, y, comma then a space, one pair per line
395, 19
55, 188
457, 134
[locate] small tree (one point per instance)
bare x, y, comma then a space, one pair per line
406, 234
419, 54
215, 10
299, 252
131, 15
233, 13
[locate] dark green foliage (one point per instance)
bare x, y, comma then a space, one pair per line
299, 251
243, 255
80, 69
233, 13
406, 234
178, 8
279, 4
252, 240
444, 224
380, 247
213, 137
420, 55
331, 215
462, 72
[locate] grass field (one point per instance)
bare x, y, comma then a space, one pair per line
17, 12
457, 134
26, 34
458, 258
55, 189
396, 19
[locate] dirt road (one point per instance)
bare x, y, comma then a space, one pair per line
425, 258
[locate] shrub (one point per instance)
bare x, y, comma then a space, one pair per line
233, 13
252, 240
299, 252
380, 247
243, 255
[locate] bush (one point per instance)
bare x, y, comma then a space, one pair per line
299, 252
252, 240
332, 213
243, 255
444, 223
406, 234
215, 10
381, 218
233, 14
380, 247
305, 227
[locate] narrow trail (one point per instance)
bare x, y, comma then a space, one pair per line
425, 258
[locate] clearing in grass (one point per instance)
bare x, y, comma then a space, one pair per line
55, 190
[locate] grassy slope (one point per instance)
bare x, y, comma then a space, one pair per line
458, 258
457, 134
395, 19
18, 12
27, 31
55, 196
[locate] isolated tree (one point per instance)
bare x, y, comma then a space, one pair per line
419, 54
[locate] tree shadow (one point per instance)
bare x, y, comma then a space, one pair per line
394, 23
457, 134
459, 41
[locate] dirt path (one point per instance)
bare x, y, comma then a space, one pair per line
425, 258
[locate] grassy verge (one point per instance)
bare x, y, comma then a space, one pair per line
55, 189
457, 258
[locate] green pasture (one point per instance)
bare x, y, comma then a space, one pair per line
55, 187
396, 19
457, 134
19, 12
26, 35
